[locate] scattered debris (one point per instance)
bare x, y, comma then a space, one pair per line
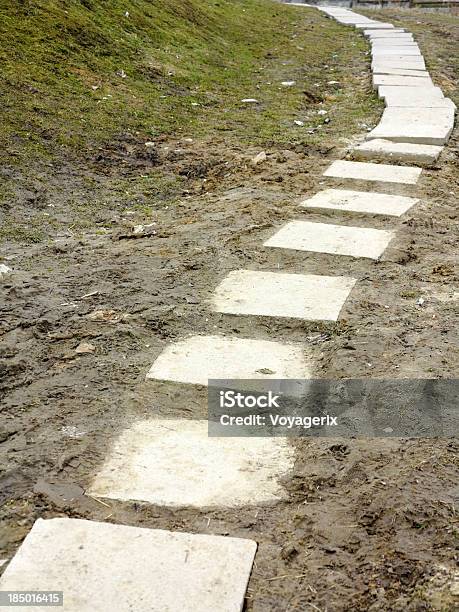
70, 431
4, 271
249, 101
88, 295
85, 347
105, 316
121, 74
259, 158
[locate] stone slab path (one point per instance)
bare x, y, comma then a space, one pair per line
213, 471
361, 201
386, 150
332, 239
198, 359
102, 567
431, 126
373, 172
276, 294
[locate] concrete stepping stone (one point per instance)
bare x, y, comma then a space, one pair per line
398, 51
373, 172
274, 294
376, 25
399, 95
383, 32
398, 47
429, 97
400, 91
412, 63
397, 151
390, 37
361, 201
176, 463
101, 566
401, 72
198, 359
332, 239
431, 126
401, 81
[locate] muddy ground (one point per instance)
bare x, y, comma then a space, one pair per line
369, 524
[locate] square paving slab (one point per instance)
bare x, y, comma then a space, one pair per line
401, 72
395, 62
374, 32
419, 125
373, 172
395, 39
361, 201
397, 151
197, 359
378, 52
333, 239
376, 25
175, 463
102, 567
274, 294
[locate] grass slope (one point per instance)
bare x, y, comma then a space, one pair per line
78, 75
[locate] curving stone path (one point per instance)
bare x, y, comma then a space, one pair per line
174, 462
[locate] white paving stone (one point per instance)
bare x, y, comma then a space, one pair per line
401, 72
102, 567
333, 239
408, 49
388, 37
197, 359
397, 151
361, 201
276, 294
375, 33
395, 48
412, 63
418, 125
373, 172
409, 96
429, 97
175, 463
376, 25
406, 53
401, 81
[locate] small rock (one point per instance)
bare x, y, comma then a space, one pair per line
321, 112
85, 347
420, 301
104, 316
4, 271
259, 158
121, 74
298, 122
288, 83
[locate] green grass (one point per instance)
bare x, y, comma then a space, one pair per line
55, 54
83, 76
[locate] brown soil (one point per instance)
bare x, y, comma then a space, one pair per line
370, 524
